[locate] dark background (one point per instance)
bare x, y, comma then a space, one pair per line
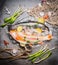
13, 5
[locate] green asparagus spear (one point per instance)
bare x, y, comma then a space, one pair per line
39, 52
35, 54
41, 55
3, 25
11, 19
14, 16
48, 55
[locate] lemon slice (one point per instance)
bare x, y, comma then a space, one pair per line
39, 30
19, 28
41, 20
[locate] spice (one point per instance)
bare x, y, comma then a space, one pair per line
6, 43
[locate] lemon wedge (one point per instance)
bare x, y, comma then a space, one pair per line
41, 20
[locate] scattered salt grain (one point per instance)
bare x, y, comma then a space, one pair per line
49, 13
39, 5
14, 51
41, 13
